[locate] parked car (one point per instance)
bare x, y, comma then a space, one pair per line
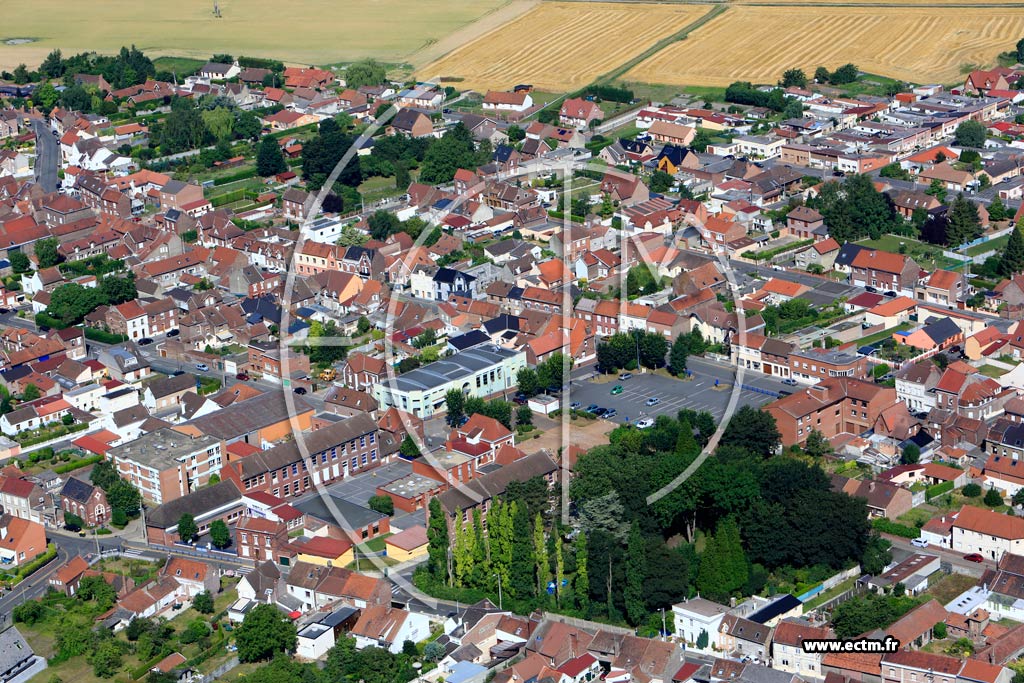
144, 341
174, 333
610, 414
652, 401
519, 399
593, 407
616, 390
626, 375
891, 294
242, 376
599, 412
202, 367
575, 405
789, 382
645, 423
301, 391
872, 290
919, 543
974, 557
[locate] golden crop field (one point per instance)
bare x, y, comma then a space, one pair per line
298, 31
562, 45
758, 43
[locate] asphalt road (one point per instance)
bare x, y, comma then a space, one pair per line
48, 155
901, 548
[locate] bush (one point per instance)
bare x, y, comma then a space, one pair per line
382, 504
73, 522
939, 630
938, 489
972, 490
887, 526
119, 518
104, 337
75, 464
993, 498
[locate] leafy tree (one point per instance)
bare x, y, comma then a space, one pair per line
856, 209
993, 498
29, 612
118, 518
433, 651
653, 347
528, 382
939, 630
187, 529
123, 495
203, 603
678, 355
220, 121
183, 129
103, 474
454, 150
971, 134
1018, 498
30, 393
382, 223
794, 109
220, 536
877, 555
117, 289
636, 570
817, 445
524, 416
73, 522
20, 263
455, 402
894, 170
753, 430
542, 568
1012, 261
821, 75
269, 160
522, 570
1020, 51
661, 182
581, 584
869, 612
409, 448
382, 504
21, 75
46, 252
437, 540
911, 454
794, 78
847, 73
365, 72
53, 65
106, 658
264, 632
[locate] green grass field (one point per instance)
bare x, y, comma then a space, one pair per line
302, 32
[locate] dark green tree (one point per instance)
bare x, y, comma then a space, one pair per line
187, 529
382, 504
437, 540
269, 160
46, 252
220, 536
522, 575
527, 381
123, 495
264, 632
971, 134
1012, 261
103, 474
963, 225
20, 263
365, 72
677, 357
993, 498
845, 74
793, 78
753, 430
455, 403
203, 603
636, 571
911, 454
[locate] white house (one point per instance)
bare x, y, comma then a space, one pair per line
387, 627
988, 533
697, 621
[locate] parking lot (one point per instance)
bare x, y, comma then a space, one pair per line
698, 393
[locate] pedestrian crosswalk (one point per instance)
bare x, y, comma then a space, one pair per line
132, 554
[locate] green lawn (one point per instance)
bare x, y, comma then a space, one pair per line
991, 371
181, 66
378, 187
884, 334
998, 244
915, 515
825, 596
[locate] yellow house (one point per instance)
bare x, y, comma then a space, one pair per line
325, 552
407, 545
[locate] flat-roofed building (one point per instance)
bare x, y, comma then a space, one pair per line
166, 464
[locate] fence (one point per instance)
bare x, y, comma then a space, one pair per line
759, 390
218, 672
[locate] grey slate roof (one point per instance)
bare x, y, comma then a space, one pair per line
196, 503
77, 490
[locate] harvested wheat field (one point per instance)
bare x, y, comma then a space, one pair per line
300, 31
757, 44
562, 45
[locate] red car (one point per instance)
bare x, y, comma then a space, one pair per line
974, 557
243, 377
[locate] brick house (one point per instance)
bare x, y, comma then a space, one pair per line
260, 539
836, 405
885, 271
85, 500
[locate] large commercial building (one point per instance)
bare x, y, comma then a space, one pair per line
480, 371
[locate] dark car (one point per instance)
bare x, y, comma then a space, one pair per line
575, 405
974, 557
599, 412
519, 399
593, 407
242, 376
872, 290
144, 341
174, 333
301, 391
889, 294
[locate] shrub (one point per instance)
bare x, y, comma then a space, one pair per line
73, 522
887, 526
993, 498
972, 490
